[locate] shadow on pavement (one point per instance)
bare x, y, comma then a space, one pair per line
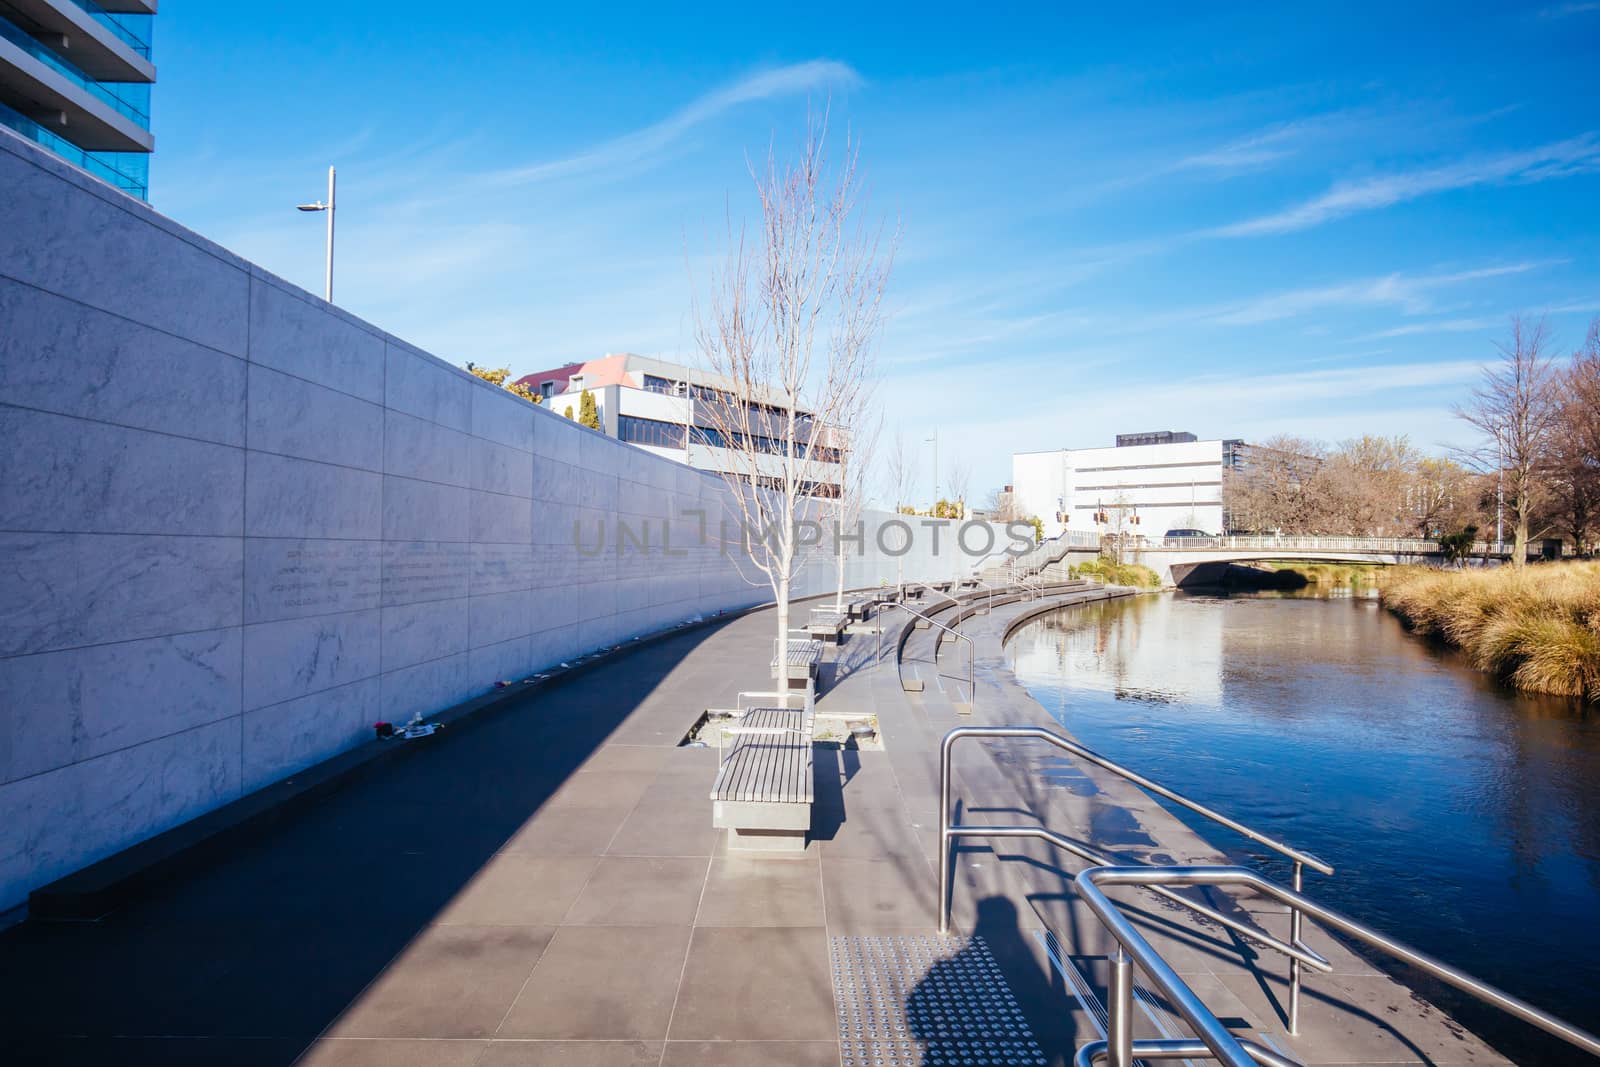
265, 945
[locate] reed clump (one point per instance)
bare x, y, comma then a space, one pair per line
1109, 570
1536, 627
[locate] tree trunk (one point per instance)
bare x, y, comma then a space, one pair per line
783, 622
838, 560
1519, 541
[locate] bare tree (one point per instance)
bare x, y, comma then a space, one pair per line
1442, 498
856, 440
1573, 463
1001, 505
788, 327
960, 485
1273, 490
1515, 411
901, 471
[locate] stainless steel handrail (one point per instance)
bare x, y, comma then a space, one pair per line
1223, 1045
1099, 859
1174, 1049
1300, 859
972, 649
931, 589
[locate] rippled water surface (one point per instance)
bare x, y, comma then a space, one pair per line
1460, 816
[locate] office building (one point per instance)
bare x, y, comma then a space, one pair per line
664, 408
75, 78
1147, 483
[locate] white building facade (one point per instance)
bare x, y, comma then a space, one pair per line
1146, 484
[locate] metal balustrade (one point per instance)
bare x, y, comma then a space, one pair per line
1217, 1042
1298, 953
972, 649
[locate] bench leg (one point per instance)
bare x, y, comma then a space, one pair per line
767, 840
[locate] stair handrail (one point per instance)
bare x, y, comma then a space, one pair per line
948, 831
972, 648
1223, 1046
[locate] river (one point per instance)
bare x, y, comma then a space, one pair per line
1460, 816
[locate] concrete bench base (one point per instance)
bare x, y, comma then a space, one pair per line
763, 826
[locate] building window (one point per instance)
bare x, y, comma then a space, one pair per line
654, 432
547, 389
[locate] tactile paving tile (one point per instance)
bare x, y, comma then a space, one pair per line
910, 1001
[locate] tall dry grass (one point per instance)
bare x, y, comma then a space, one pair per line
1537, 627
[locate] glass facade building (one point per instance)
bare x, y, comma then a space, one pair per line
75, 78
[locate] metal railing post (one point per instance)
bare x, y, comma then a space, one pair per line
944, 839
1119, 1010
1294, 964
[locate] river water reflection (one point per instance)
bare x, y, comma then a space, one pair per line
1460, 816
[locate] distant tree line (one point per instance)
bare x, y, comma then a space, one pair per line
1535, 465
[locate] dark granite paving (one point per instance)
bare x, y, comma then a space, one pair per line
544, 887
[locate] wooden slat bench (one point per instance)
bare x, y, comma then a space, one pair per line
797, 669
763, 792
860, 609
826, 624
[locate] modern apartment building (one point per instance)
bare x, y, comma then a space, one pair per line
1166, 480
665, 408
75, 77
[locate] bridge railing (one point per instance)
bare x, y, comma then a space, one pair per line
1400, 546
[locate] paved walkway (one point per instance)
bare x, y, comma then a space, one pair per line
544, 887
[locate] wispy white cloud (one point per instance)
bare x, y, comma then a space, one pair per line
1561, 159
1410, 293
642, 144
1412, 329
1256, 150
1561, 11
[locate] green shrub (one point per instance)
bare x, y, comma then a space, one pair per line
1136, 575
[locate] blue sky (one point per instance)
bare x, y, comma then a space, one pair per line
1234, 220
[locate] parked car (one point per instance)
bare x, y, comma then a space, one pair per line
1174, 538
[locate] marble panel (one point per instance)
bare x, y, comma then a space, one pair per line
294, 657
69, 474
420, 385
58, 355
298, 334
287, 737
79, 703
293, 417
424, 511
416, 571
67, 590
416, 633
286, 497
500, 617
417, 448
498, 468
500, 519
83, 247
287, 578
502, 417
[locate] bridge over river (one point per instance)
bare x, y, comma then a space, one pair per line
1198, 560
1202, 560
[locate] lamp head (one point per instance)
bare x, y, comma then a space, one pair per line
318, 206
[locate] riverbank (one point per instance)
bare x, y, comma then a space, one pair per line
1537, 627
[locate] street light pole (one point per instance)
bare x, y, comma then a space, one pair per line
935, 440
328, 207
